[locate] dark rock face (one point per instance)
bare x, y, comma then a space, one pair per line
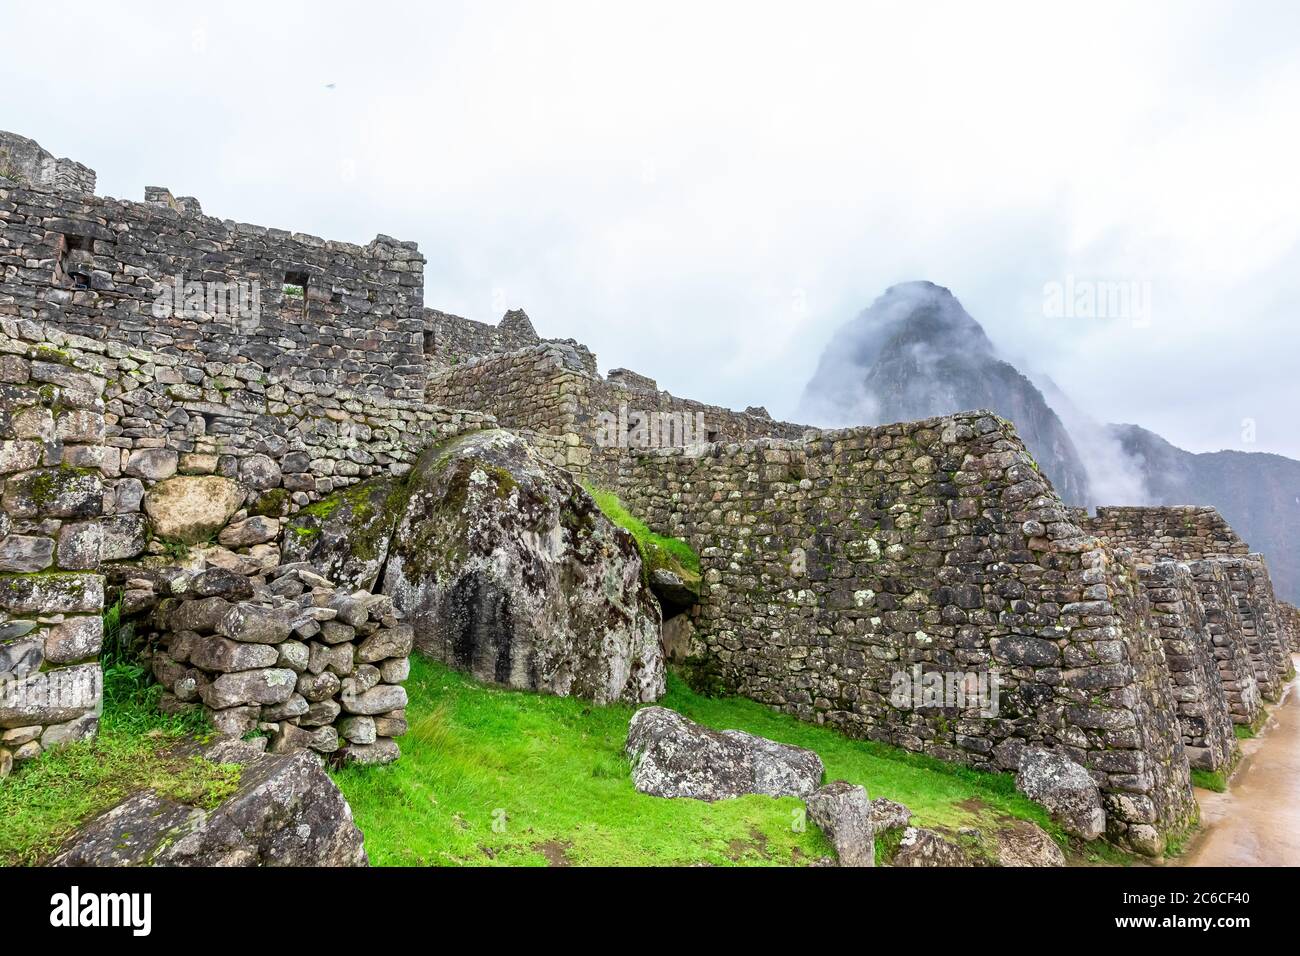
503, 565
286, 812
916, 353
674, 757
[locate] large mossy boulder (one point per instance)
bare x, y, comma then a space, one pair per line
503, 564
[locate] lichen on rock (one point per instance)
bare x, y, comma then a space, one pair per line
503, 564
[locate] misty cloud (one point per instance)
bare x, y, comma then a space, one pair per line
706, 192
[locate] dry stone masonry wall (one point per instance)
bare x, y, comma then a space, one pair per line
315, 667
175, 381
51, 602
1228, 639
834, 564
553, 393
1203, 711
277, 307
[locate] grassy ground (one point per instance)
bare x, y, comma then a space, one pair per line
490, 776
45, 799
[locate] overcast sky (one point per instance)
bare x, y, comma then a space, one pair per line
704, 192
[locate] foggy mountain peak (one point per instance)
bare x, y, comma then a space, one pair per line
914, 353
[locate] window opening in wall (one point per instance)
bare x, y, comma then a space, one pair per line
294, 289
75, 262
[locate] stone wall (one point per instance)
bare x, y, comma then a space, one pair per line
834, 564
1290, 616
314, 667
280, 309
278, 448
24, 162
1257, 607
551, 392
1177, 533
51, 625
1193, 533
1203, 712
1228, 640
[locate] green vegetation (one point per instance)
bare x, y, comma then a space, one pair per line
657, 550
499, 777
45, 799
1216, 780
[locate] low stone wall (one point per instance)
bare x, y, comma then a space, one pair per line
587, 423
1177, 533
312, 666
834, 565
1203, 713
51, 624
1228, 640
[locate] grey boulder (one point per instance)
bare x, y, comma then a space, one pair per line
843, 811
675, 757
286, 811
1070, 795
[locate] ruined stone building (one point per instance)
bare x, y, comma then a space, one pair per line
142, 341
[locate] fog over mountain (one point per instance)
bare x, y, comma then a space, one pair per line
916, 352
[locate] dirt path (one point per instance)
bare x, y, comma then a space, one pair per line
1257, 822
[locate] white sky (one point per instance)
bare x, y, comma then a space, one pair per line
703, 191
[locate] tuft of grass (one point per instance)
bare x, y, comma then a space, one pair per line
492, 777
656, 549
1215, 780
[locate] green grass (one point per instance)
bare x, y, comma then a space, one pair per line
45, 799
549, 772
656, 549
1216, 780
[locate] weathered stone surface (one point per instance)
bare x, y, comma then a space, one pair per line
1067, 791
381, 751
1027, 844
251, 531
215, 653
674, 757
252, 624
52, 593
22, 657
24, 554
346, 537
50, 697
74, 639
927, 848
152, 464
219, 582
272, 685
285, 812
844, 813
54, 493
189, 509
377, 700
388, 642
506, 569
358, 730
201, 616
888, 815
